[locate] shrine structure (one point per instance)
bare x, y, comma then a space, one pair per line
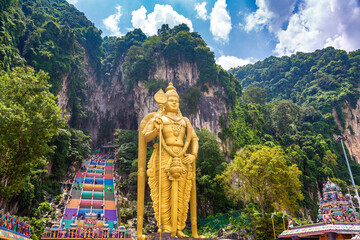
337, 218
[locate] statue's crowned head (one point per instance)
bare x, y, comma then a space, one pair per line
171, 91
172, 104
168, 101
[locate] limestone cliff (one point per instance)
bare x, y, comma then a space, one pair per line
111, 105
352, 121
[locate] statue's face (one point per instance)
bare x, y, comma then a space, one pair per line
172, 104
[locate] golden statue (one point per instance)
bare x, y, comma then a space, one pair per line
175, 154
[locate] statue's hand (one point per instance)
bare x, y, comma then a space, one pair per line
157, 123
189, 158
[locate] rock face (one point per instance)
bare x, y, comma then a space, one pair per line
352, 121
113, 106
62, 95
108, 102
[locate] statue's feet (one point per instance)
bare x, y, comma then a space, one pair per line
181, 234
166, 228
198, 236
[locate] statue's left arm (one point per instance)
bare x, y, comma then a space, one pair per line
193, 148
193, 151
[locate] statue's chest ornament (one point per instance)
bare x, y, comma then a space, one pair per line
175, 125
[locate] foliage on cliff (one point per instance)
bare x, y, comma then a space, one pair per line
175, 46
323, 79
55, 37
302, 91
305, 134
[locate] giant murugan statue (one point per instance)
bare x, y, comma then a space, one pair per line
171, 168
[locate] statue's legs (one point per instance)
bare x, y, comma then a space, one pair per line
165, 203
183, 201
163, 208
184, 189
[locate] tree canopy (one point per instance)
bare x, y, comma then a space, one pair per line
29, 118
260, 174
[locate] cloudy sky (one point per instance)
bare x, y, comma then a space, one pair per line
237, 31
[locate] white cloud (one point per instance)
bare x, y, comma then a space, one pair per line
201, 11
162, 14
227, 62
72, 1
321, 23
220, 22
270, 14
112, 22
258, 19
315, 24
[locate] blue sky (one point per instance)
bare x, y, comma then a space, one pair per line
237, 31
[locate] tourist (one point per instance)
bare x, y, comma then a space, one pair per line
290, 223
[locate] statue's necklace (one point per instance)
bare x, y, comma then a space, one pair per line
176, 126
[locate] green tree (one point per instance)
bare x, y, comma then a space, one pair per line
126, 156
29, 118
255, 95
59, 157
259, 174
37, 221
80, 146
210, 162
191, 100
285, 116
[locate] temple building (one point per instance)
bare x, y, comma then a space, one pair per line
11, 227
337, 218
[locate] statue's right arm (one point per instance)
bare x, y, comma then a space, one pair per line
150, 131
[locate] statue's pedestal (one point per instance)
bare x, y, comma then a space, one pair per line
167, 236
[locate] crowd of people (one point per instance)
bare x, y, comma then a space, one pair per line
12, 223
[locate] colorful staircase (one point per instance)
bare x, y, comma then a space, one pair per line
91, 209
